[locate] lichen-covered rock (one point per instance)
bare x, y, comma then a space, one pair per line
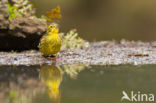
25, 27
4, 14
19, 33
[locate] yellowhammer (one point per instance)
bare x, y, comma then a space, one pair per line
50, 43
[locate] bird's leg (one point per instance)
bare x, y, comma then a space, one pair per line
45, 55
57, 56
51, 57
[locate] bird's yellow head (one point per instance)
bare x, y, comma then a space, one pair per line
52, 29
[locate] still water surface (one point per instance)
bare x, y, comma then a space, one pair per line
74, 83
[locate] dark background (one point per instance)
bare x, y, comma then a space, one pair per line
105, 19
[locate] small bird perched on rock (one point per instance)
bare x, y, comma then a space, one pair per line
50, 43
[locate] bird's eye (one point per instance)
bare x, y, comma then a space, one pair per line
52, 26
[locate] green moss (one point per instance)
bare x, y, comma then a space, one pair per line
20, 8
12, 10
12, 96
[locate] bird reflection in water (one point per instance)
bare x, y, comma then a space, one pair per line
51, 76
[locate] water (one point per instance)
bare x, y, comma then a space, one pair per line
74, 83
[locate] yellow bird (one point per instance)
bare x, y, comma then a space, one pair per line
50, 43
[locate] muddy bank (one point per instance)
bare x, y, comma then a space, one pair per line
99, 53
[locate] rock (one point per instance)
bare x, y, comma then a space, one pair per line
24, 27
4, 14
19, 33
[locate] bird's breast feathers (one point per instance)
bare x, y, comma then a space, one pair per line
50, 44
